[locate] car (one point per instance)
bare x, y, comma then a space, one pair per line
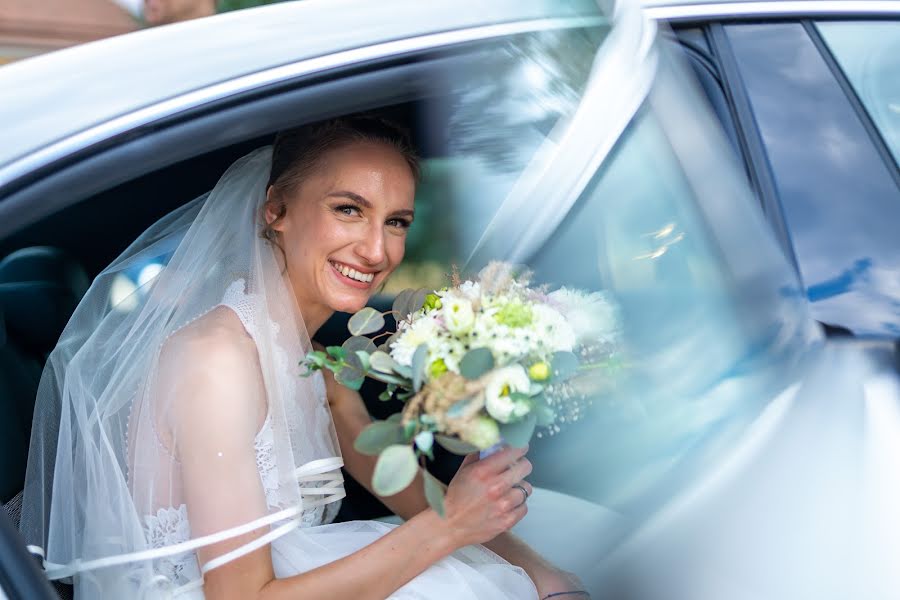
728, 171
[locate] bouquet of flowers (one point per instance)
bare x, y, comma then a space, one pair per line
479, 363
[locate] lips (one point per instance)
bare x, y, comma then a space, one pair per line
352, 273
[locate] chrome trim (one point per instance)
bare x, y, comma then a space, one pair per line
782, 8
197, 98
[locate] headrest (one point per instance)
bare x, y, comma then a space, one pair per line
39, 289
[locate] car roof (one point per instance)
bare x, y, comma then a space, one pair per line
51, 97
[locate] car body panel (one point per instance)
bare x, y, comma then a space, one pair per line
194, 55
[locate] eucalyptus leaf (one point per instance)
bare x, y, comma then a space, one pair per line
395, 418
419, 362
403, 371
346, 378
518, 434
336, 352
368, 320
395, 470
359, 343
563, 365
434, 493
454, 445
424, 441
364, 359
544, 415
386, 346
417, 301
476, 363
377, 436
389, 378
401, 304
382, 361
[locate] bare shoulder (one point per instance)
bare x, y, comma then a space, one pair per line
217, 339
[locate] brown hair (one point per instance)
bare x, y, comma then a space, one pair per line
296, 152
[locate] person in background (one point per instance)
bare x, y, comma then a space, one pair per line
162, 12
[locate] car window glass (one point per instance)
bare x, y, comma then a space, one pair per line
839, 200
869, 55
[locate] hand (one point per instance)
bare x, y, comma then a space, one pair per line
481, 501
550, 580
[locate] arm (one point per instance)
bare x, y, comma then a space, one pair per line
217, 394
351, 417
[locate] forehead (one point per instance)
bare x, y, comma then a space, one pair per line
370, 164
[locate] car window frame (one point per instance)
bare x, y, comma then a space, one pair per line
887, 157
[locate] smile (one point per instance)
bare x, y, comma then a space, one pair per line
352, 273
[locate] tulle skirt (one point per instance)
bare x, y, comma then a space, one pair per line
471, 573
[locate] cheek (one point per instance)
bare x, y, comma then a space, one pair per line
396, 249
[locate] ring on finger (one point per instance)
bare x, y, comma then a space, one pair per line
524, 494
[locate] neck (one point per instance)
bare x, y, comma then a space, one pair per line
314, 314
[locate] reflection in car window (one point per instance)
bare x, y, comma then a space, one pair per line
492, 119
869, 54
840, 202
712, 313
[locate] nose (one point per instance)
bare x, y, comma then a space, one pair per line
371, 247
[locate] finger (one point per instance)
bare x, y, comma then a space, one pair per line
515, 497
500, 460
516, 472
469, 459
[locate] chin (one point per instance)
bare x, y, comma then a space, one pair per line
349, 305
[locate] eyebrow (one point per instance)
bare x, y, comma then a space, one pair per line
365, 203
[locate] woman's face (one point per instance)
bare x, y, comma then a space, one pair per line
344, 230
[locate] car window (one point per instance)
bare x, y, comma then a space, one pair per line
839, 200
869, 54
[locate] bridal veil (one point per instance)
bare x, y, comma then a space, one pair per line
138, 397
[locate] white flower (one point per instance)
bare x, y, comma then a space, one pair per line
501, 383
422, 331
471, 290
458, 315
593, 316
557, 334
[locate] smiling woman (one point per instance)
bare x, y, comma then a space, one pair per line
339, 203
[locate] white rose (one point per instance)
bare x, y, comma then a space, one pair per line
501, 383
458, 315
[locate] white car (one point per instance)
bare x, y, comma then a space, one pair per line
726, 170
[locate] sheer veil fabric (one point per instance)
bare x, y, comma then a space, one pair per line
173, 432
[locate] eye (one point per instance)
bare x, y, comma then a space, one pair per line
347, 209
398, 222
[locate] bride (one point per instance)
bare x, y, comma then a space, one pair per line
179, 453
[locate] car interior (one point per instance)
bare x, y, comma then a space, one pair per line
94, 204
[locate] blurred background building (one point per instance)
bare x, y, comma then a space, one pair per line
30, 27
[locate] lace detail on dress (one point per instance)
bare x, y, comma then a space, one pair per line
168, 527
265, 463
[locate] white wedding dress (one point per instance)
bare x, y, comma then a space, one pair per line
168, 428
472, 572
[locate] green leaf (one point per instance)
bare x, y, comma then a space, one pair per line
417, 300
434, 493
386, 346
363, 359
424, 441
454, 445
563, 365
476, 363
389, 378
395, 470
358, 343
419, 362
403, 371
544, 415
395, 418
353, 372
368, 320
401, 304
382, 361
385, 396
336, 352
518, 434
377, 436
409, 429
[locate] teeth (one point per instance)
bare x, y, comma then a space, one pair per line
354, 274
